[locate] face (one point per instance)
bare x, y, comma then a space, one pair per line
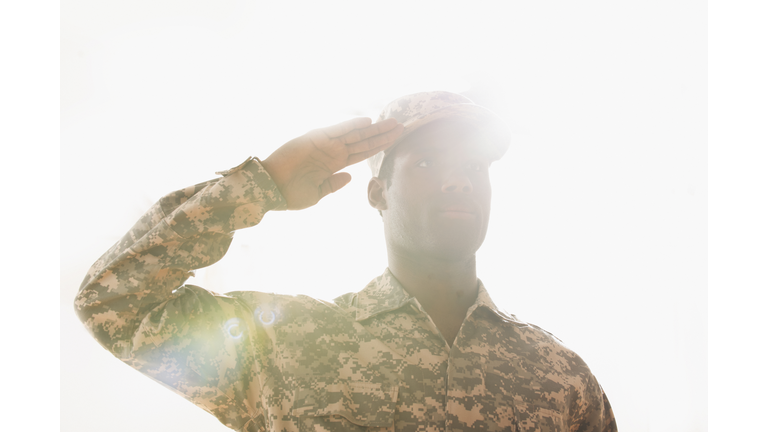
439, 200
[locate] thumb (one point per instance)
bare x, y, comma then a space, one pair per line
334, 183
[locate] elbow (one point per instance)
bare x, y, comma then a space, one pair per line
103, 323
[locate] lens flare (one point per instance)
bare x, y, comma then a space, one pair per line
233, 329
265, 316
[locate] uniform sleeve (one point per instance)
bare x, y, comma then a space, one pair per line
200, 344
593, 412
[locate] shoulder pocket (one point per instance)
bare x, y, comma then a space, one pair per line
342, 405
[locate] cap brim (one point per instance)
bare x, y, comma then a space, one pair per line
490, 123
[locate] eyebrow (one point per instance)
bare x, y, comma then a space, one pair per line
423, 145
424, 149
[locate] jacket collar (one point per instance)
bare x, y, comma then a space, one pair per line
382, 294
385, 293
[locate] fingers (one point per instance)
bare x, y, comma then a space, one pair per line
334, 183
357, 157
345, 127
372, 130
377, 142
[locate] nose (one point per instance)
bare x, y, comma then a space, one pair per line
457, 182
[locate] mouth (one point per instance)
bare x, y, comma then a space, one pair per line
458, 212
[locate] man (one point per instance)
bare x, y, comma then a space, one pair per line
422, 347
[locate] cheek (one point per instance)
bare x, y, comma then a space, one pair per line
403, 205
484, 194
407, 208
415, 199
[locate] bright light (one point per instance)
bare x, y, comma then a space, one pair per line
598, 225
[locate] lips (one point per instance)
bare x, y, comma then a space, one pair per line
460, 208
458, 211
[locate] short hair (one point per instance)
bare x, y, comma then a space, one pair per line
387, 169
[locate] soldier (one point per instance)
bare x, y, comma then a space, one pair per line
422, 347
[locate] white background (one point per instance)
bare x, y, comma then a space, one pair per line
598, 232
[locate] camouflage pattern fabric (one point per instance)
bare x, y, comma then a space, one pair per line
372, 359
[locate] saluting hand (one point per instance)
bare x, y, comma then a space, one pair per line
305, 168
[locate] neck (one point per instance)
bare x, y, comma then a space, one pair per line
441, 287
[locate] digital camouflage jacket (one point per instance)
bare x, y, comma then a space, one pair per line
372, 359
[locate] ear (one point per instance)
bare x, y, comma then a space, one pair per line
377, 194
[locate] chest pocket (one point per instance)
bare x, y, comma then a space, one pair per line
345, 406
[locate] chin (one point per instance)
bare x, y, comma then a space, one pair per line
455, 248
437, 239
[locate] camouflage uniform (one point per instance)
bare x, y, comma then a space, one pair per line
372, 359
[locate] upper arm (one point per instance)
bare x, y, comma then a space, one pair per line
206, 347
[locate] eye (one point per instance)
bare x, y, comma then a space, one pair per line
478, 166
426, 163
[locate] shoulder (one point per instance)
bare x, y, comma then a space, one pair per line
347, 301
282, 307
540, 348
587, 403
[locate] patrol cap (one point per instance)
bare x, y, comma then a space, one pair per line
418, 109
